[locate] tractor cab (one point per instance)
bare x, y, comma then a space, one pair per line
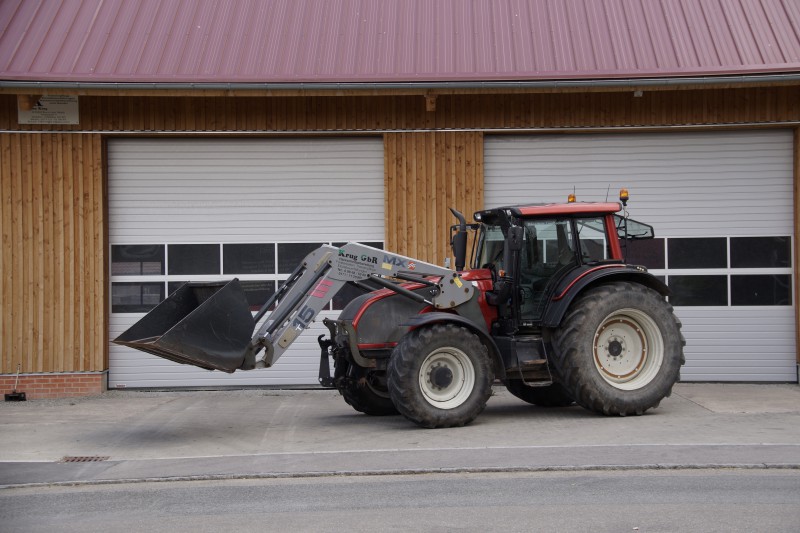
534, 252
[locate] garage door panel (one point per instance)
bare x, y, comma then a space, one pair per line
206, 194
224, 191
689, 170
709, 184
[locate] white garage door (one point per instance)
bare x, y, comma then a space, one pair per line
209, 209
721, 204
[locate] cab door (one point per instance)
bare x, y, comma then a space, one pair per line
549, 252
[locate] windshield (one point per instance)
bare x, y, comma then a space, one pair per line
549, 242
490, 247
545, 242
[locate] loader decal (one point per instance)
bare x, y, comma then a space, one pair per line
302, 319
321, 289
394, 261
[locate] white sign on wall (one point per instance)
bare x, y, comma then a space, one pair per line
51, 109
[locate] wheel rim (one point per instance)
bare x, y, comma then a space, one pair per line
446, 378
628, 349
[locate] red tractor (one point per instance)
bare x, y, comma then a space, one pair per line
548, 306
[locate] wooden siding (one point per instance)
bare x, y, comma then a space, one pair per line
53, 264
53, 253
426, 174
328, 113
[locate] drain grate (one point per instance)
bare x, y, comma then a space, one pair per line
84, 458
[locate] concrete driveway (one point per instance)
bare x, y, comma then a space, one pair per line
130, 435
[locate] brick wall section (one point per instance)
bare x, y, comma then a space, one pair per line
56, 385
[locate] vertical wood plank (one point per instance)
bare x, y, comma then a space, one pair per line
440, 184
38, 301
26, 250
79, 299
70, 221
389, 193
418, 200
433, 223
403, 191
100, 251
97, 273
87, 273
6, 266
48, 251
57, 357
17, 299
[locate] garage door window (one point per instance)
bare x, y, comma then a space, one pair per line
720, 271
697, 253
698, 290
186, 259
137, 260
142, 275
258, 258
761, 252
135, 297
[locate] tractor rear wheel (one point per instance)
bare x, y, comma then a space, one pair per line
369, 394
440, 376
554, 395
619, 349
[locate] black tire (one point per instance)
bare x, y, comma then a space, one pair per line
619, 349
554, 395
369, 395
440, 376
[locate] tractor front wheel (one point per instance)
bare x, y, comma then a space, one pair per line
440, 376
619, 349
369, 394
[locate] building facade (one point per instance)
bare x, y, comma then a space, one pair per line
144, 186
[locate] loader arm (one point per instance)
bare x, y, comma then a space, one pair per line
209, 324
324, 272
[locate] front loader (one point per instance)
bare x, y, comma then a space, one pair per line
548, 306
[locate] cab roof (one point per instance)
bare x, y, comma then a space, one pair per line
537, 210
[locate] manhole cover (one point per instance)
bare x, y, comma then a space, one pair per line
84, 458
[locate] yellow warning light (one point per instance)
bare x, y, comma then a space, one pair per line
623, 196
571, 199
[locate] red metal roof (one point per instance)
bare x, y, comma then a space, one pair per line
197, 41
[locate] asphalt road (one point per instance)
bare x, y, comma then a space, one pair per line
645, 501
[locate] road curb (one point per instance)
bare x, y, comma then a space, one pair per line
406, 472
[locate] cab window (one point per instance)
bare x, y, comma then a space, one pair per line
491, 248
594, 244
549, 248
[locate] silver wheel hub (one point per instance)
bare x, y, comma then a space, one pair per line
446, 378
628, 349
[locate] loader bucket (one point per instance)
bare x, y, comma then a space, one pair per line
202, 324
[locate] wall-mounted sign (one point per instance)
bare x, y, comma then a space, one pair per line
50, 109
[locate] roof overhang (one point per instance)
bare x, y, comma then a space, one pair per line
90, 87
